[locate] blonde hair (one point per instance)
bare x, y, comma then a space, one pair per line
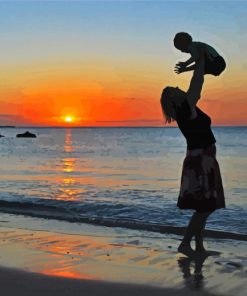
170, 100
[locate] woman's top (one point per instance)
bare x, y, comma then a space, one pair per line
197, 131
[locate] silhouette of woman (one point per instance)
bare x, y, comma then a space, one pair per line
201, 185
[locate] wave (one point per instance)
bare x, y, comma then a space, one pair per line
53, 211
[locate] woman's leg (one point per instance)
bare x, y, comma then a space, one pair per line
195, 228
191, 229
199, 231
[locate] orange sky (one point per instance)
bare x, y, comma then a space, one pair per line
60, 60
101, 95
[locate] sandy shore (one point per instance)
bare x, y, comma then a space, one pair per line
105, 261
17, 282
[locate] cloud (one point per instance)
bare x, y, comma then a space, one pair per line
131, 99
132, 120
12, 119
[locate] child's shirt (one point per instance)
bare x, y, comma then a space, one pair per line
198, 49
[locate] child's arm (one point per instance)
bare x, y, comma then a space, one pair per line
179, 68
189, 61
195, 88
196, 56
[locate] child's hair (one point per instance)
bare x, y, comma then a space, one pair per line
182, 40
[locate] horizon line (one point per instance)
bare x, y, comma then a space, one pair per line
163, 126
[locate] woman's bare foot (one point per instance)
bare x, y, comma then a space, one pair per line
186, 249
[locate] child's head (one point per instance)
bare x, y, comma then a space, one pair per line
182, 41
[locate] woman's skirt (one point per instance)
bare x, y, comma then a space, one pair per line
201, 184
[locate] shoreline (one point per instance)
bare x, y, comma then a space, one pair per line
99, 127
86, 257
162, 229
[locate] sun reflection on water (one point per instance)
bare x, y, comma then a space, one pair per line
67, 190
68, 145
68, 165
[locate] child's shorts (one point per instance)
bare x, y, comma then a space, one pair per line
215, 66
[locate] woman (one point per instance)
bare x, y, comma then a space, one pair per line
201, 185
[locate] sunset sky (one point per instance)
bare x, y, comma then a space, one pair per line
105, 63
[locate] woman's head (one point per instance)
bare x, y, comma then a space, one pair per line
171, 98
182, 41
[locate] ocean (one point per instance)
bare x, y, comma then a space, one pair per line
126, 177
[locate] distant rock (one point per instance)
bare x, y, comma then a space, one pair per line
26, 135
1, 136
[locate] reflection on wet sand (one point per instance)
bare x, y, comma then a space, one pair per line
193, 281
68, 273
152, 260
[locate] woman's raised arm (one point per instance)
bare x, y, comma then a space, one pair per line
195, 88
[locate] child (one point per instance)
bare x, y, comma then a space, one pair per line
207, 61
214, 63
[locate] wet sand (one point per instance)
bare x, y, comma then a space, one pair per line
17, 282
100, 261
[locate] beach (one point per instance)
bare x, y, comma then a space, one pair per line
30, 284
109, 261
95, 157
93, 211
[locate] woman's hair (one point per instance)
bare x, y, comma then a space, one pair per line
182, 40
170, 100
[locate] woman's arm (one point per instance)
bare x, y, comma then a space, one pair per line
195, 88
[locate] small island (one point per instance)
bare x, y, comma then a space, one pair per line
27, 134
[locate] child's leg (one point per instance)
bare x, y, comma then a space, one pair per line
220, 66
216, 66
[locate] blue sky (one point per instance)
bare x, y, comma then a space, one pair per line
116, 50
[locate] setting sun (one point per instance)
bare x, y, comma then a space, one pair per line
68, 119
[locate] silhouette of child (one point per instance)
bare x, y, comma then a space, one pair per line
206, 61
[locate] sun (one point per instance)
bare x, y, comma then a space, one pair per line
68, 118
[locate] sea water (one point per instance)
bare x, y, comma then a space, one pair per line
115, 176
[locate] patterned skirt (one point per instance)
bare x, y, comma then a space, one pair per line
201, 184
